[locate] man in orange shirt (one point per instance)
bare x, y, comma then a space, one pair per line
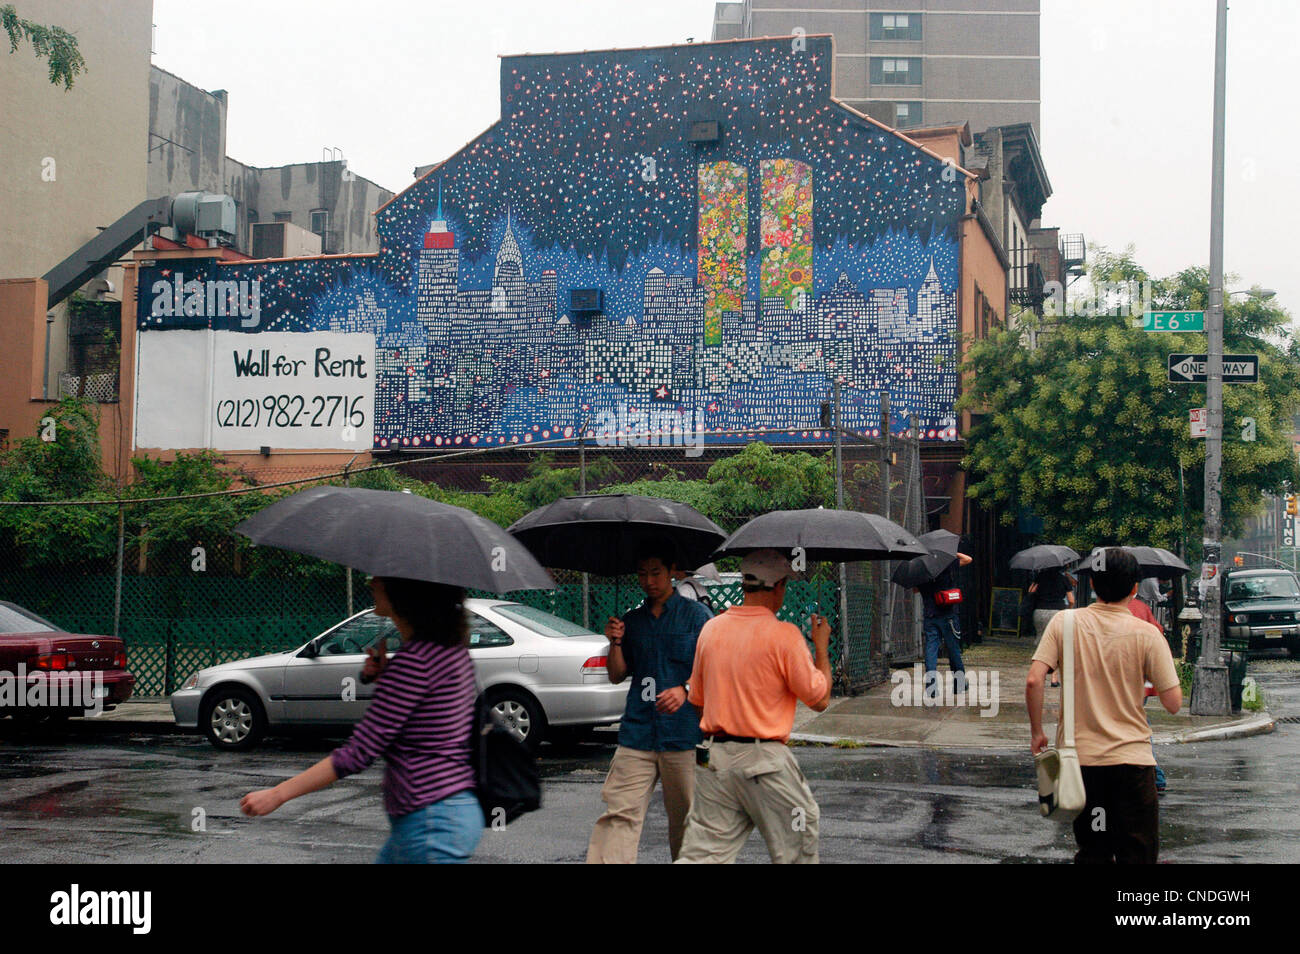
750, 670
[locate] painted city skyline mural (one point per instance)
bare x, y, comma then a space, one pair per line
737, 277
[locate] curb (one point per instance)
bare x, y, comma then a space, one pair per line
832, 740
1262, 724
863, 742
153, 726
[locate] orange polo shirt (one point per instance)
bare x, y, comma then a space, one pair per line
750, 670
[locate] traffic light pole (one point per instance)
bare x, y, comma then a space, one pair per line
1210, 683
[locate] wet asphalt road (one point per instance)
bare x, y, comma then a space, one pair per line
94, 797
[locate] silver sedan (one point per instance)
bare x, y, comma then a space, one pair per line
543, 675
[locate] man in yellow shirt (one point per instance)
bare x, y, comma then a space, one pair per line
750, 670
1115, 655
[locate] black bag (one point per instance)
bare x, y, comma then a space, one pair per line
505, 772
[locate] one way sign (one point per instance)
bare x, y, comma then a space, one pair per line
1190, 368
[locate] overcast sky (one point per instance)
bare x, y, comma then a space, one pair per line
1126, 116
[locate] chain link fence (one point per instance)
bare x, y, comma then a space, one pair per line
881, 473
184, 596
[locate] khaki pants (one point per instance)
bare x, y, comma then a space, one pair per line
748, 784
627, 791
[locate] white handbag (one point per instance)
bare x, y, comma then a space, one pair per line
1060, 779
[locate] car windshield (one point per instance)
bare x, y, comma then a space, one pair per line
540, 621
1264, 588
14, 620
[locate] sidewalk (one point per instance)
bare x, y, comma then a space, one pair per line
874, 718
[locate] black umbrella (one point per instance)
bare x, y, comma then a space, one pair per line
604, 533
837, 536
1045, 556
1173, 565
943, 554
385, 533
1152, 561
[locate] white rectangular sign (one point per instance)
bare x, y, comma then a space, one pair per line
1200, 422
231, 391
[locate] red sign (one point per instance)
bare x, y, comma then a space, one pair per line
1200, 422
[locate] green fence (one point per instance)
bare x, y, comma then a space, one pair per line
176, 625
615, 599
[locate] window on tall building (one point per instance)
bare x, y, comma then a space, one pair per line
907, 114
284, 216
895, 26
320, 221
896, 71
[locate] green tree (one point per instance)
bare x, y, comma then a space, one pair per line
1087, 432
744, 485
54, 44
187, 523
60, 461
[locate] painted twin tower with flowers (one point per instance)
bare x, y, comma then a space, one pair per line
697, 232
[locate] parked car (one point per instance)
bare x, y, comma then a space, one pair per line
545, 676
1263, 606
81, 673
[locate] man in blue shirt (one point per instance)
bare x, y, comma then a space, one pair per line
655, 645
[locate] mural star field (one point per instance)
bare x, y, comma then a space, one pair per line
737, 276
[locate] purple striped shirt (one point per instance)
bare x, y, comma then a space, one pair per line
420, 720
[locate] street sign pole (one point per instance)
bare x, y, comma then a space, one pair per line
1210, 683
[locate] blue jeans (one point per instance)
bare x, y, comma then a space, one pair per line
446, 832
942, 629
1161, 781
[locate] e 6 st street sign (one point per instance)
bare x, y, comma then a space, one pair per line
1173, 321
1190, 368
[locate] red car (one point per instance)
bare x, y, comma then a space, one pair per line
46, 673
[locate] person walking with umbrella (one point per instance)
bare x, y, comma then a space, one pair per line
932, 576
611, 535
1051, 591
750, 670
421, 720
421, 555
655, 645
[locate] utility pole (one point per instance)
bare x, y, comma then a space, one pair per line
838, 421
1210, 684
582, 489
886, 609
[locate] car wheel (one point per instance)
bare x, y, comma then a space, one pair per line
233, 719
520, 713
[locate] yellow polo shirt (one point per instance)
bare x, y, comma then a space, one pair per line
1115, 655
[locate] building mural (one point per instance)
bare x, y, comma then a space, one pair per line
737, 276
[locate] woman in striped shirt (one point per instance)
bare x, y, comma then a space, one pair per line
421, 720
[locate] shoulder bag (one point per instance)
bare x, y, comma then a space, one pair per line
506, 779
1061, 795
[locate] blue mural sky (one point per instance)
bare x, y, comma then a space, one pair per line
568, 157
591, 166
